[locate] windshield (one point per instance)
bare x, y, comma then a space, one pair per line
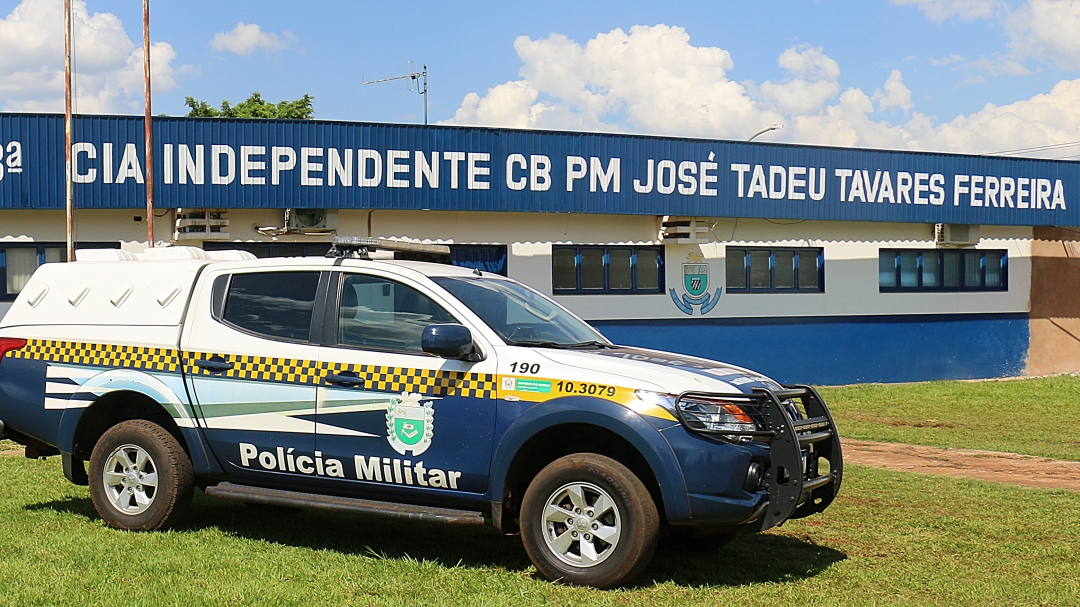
521, 316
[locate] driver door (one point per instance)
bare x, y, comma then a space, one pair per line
410, 424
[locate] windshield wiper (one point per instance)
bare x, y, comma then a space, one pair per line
592, 344
533, 343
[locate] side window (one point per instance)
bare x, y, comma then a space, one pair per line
274, 304
775, 270
385, 315
608, 270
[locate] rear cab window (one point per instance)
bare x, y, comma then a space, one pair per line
278, 305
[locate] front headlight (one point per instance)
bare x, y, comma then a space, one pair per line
704, 414
716, 415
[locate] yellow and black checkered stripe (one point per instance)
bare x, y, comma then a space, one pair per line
376, 378
422, 381
100, 355
260, 368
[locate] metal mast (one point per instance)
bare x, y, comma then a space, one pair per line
149, 130
69, 195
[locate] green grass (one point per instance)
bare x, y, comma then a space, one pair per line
891, 539
1031, 416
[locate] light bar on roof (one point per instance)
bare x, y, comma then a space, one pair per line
359, 247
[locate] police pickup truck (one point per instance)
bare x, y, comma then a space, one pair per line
374, 381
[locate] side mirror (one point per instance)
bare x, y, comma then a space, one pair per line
449, 341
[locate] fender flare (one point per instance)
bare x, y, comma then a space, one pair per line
614, 417
121, 380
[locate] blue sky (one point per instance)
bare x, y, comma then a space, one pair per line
953, 58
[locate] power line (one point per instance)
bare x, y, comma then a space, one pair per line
1053, 146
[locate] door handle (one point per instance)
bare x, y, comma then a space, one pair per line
344, 380
214, 365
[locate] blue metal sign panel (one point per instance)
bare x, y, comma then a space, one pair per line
221, 163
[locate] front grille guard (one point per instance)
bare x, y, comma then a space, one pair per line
795, 489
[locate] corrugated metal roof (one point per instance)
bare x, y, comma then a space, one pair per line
227, 163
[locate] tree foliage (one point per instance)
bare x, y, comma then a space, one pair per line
253, 107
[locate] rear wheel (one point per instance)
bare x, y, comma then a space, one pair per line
588, 520
140, 477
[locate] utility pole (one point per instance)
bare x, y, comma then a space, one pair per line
69, 193
147, 124
419, 78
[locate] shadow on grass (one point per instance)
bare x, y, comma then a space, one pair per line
750, 559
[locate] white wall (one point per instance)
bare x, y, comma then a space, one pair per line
851, 254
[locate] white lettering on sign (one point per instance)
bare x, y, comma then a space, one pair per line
121, 163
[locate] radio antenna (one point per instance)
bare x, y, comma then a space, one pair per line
417, 83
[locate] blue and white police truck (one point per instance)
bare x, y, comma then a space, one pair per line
379, 381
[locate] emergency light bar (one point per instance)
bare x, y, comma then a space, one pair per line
357, 247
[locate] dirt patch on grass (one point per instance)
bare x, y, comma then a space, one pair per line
968, 463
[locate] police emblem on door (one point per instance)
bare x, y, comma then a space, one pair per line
410, 424
696, 284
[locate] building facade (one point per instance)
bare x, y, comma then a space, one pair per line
810, 264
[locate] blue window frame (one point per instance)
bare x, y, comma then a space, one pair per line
615, 270
18, 260
775, 270
956, 270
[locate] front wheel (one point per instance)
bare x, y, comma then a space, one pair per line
140, 477
588, 520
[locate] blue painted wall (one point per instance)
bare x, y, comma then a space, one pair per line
844, 349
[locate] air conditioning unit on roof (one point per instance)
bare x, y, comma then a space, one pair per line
311, 220
948, 234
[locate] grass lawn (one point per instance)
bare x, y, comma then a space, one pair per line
1030, 416
891, 539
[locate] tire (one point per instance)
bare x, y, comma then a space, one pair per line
602, 500
140, 477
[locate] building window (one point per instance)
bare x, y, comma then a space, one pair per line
615, 270
775, 270
936, 270
489, 258
19, 260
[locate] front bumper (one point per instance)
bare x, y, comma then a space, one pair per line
800, 432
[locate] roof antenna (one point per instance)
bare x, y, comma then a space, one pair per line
477, 271
417, 83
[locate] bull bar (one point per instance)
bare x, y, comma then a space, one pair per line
796, 486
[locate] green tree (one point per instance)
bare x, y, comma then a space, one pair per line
253, 107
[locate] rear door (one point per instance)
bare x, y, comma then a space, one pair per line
252, 369
409, 425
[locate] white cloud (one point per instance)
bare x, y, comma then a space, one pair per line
999, 66
896, 94
653, 80
108, 65
652, 77
940, 10
1047, 28
814, 80
246, 38
954, 58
